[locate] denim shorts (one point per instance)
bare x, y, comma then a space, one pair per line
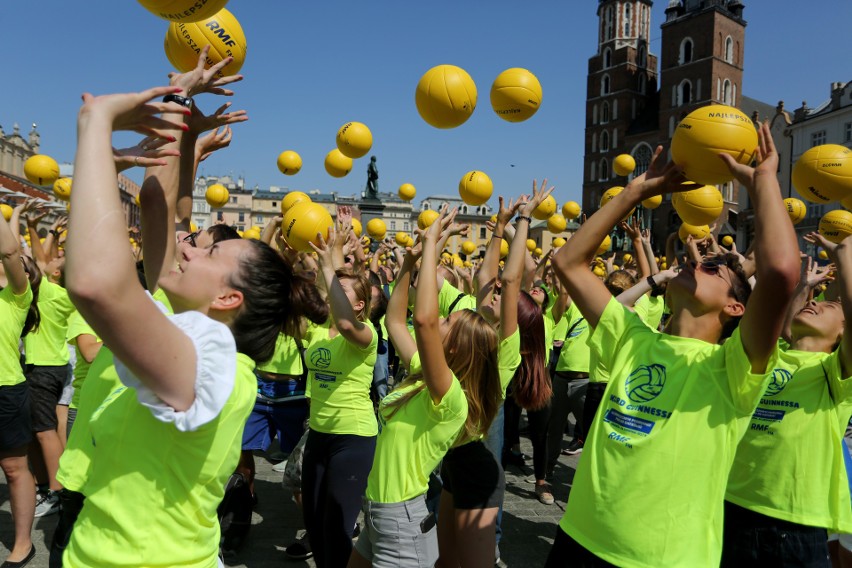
394, 534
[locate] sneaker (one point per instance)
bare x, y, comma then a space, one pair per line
299, 550
47, 503
574, 448
544, 495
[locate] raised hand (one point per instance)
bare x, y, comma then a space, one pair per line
201, 80
149, 152
200, 122
766, 158
539, 194
136, 112
212, 141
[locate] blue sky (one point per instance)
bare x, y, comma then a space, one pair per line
313, 65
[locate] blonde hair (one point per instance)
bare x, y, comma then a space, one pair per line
362, 288
470, 349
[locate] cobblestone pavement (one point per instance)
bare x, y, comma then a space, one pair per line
528, 526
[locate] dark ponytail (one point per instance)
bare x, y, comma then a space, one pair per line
33, 315
531, 385
274, 300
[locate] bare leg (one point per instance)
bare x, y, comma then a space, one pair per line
449, 555
22, 500
51, 450
62, 417
476, 537
247, 468
357, 561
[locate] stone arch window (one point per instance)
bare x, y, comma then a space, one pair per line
726, 92
604, 170
643, 56
642, 153
686, 48
595, 114
607, 58
729, 50
605, 113
605, 85
604, 141
684, 93
608, 24
628, 20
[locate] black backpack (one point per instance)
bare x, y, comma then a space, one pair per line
235, 514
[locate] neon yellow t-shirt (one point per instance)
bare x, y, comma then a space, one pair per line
339, 376
157, 501
46, 346
448, 294
649, 489
76, 459
789, 464
286, 359
160, 295
77, 326
413, 441
650, 310
575, 348
13, 315
508, 358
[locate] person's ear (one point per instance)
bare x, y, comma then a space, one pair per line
229, 299
734, 309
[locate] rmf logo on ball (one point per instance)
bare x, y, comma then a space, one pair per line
321, 358
220, 32
645, 383
779, 380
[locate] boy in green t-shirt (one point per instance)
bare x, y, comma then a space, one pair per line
650, 487
788, 483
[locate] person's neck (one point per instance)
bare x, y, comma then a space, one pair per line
812, 344
705, 327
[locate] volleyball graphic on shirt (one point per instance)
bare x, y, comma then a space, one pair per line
321, 358
777, 382
645, 383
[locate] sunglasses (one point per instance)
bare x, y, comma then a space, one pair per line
190, 238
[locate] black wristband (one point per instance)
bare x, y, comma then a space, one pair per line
523, 218
183, 101
656, 290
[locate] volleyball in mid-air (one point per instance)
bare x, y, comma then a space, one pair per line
556, 223
836, 225
545, 209
796, 209
217, 195
41, 169
183, 10
515, 94
426, 218
468, 247
6, 211
571, 210
445, 96
407, 192
354, 139
727, 240
289, 162
303, 222
356, 227
475, 188
377, 228
699, 206
610, 194
62, 189
623, 164
293, 198
652, 202
336, 164
824, 173
707, 132
221, 31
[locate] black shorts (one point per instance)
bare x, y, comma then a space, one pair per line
473, 477
46, 385
15, 428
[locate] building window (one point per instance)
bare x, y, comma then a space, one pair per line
605, 113
406, 226
604, 142
482, 233
643, 15
642, 154
726, 92
425, 205
607, 58
643, 84
258, 219
643, 56
241, 227
604, 170
817, 138
614, 138
847, 132
684, 93
607, 24
728, 192
242, 217
594, 141
274, 204
595, 114
232, 200
393, 226
685, 51
628, 16
671, 126
729, 50
605, 85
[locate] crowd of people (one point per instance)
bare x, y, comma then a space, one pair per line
708, 389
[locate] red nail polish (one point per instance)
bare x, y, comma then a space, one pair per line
184, 127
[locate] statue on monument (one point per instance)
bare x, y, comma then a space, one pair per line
372, 180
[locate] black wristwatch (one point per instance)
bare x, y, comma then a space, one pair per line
183, 101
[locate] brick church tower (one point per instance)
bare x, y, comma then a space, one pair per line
701, 63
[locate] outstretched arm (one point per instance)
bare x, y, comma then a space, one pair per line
10, 254
775, 249
395, 317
